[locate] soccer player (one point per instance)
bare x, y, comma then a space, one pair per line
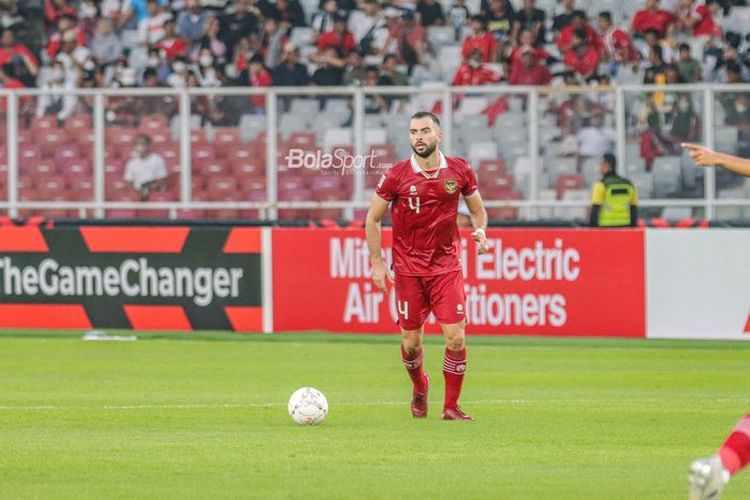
423, 192
708, 476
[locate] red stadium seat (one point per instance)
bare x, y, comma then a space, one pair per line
44, 123
323, 182
120, 136
250, 186
152, 122
302, 140
161, 136
66, 153
498, 182
74, 167
214, 168
76, 123
190, 213
197, 135
489, 168
289, 182
121, 213
224, 188
224, 214
52, 139
202, 151
226, 137
382, 151
43, 167
294, 195
247, 168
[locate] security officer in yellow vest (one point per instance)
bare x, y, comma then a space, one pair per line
614, 199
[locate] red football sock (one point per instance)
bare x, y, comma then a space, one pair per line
735, 452
454, 366
413, 365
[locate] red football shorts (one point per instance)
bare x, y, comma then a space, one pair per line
443, 294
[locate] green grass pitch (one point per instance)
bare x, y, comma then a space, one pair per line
205, 417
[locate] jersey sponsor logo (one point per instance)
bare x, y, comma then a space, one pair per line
451, 186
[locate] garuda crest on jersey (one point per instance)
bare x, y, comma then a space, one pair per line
451, 185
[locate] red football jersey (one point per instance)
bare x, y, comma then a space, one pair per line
424, 207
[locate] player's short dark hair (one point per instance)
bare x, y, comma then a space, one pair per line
684, 46
426, 114
610, 160
606, 15
581, 34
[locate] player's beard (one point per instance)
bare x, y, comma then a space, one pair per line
428, 149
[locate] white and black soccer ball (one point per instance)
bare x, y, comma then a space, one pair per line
307, 406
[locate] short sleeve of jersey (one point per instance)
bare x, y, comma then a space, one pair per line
598, 193
387, 186
471, 185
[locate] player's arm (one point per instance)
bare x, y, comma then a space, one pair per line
380, 271
705, 157
478, 215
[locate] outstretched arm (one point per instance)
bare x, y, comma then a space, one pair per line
705, 157
380, 271
478, 220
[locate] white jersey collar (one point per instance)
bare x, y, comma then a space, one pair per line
432, 174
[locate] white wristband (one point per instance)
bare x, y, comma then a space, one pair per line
479, 229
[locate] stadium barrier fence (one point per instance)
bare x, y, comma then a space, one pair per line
527, 134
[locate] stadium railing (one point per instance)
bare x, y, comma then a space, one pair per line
229, 150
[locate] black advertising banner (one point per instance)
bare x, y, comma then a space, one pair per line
142, 278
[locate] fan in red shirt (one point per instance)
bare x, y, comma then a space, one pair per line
258, 76
705, 16
529, 71
339, 37
170, 46
527, 43
10, 50
65, 24
480, 39
423, 193
473, 72
616, 43
582, 58
577, 21
652, 18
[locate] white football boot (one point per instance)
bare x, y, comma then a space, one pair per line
707, 478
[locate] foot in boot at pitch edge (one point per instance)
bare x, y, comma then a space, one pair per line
455, 413
419, 400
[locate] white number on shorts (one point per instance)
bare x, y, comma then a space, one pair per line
403, 308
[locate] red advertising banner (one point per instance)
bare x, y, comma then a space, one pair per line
532, 282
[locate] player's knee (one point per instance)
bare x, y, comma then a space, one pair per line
411, 339
455, 338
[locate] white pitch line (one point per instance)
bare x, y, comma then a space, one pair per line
198, 406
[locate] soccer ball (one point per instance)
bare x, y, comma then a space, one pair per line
307, 406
